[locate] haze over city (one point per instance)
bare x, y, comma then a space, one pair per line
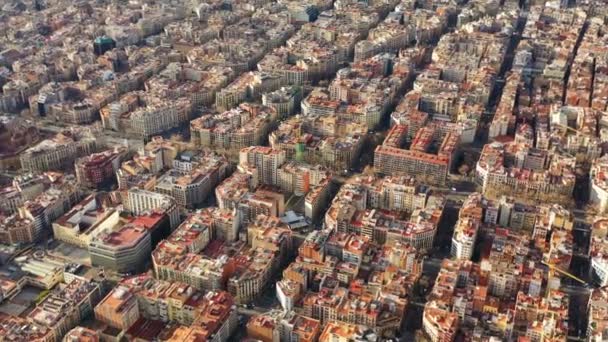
304, 170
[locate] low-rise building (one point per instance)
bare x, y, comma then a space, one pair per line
177, 258
284, 326
119, 308
332, 141
82, 334
463, 240
18, 229
84, 221
66, 307
599, 259
343, 332
190, 313
597, 322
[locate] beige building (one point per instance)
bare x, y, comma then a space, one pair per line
193, 178
251, 275
265, 160
416, 161
119, 308
285, 100
59, 152
65, 307
145, 114
84, 221
246, 125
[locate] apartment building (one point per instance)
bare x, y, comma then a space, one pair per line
141, 201
145, 114
59, 151
99, 169
599, 258
531, 176
193, 178
253, 270
82, 334
329, 140
599, 187
416, 161
264, 160
18, 228
464, 238
596, 322
66, 307
234, 129
286, 326
285, 101
316, 200
177, 258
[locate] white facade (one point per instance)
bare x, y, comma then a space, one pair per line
599, 267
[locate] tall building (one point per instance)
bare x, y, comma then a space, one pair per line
265, 160
463, 240
142, 201
124, 250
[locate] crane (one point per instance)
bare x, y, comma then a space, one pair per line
553, 268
